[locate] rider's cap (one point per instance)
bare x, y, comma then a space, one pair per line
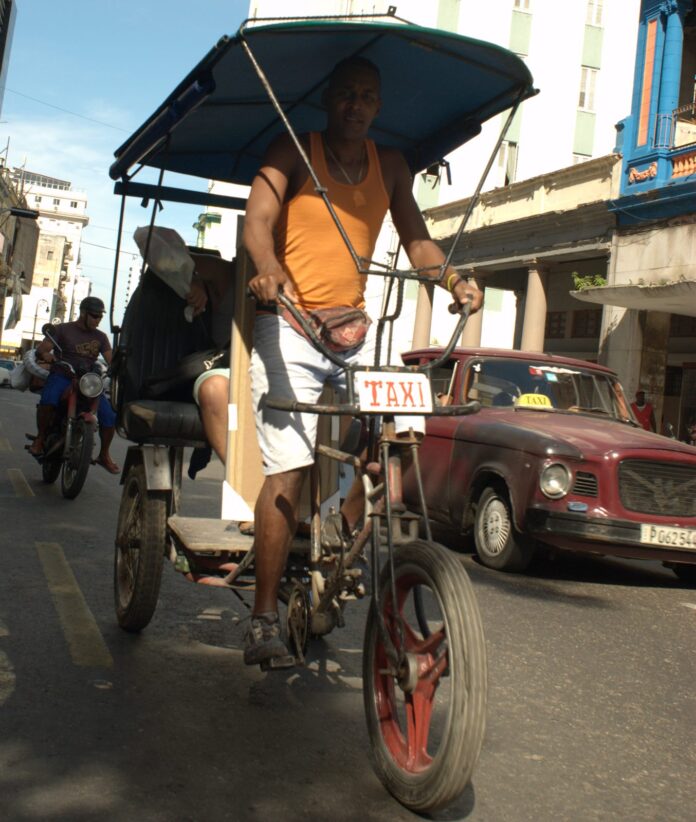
92, 305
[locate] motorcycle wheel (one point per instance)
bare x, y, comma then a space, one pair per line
425, 721
141, 539
76, 466
50, 468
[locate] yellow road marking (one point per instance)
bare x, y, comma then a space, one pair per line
86, 644
5, 444
19, 483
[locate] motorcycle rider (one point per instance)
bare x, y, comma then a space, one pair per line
80, 343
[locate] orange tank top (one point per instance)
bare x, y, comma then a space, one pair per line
308, 243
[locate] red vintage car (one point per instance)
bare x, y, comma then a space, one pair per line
553, 457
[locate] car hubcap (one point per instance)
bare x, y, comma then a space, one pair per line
496, 527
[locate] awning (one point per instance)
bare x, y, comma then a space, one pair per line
673, 298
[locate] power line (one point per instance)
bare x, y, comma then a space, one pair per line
65, 110
106, 248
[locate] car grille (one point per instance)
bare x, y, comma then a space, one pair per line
585, 484
663, 488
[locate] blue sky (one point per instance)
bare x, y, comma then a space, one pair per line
111, 62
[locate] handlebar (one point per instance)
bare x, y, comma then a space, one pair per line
454, 308
351, 408
295, 407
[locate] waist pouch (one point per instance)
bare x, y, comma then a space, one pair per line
340, 328
187, 371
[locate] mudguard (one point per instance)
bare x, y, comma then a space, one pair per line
155, 460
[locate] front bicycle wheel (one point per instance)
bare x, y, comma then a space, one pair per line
425, 720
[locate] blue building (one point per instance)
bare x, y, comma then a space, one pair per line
649, 324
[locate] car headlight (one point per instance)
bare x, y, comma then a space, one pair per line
91, 384
555, 480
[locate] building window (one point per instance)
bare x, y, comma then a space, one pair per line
37, 199
594, 12
587, 323
522, 5
588, 81
56, 201
682, 326
46, 281
49, 254
507, 162
73, 203
673, 380
555, 325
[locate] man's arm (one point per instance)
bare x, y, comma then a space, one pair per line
413, 233
263, 209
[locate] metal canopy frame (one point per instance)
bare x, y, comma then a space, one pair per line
156, 143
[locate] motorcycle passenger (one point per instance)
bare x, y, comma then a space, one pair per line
81, 343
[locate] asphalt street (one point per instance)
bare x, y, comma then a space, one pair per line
591, 708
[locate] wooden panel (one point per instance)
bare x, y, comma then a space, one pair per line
243, 470
208, 536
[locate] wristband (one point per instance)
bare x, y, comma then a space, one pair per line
449, 281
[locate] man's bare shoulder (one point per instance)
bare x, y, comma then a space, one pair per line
283, 149
393, 164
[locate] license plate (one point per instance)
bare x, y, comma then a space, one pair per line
393, 392
669, 537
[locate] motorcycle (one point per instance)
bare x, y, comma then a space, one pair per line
70, 440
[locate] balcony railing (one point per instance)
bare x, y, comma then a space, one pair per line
676, 129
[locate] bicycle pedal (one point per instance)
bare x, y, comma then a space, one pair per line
277, 663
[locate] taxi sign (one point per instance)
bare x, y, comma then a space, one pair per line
393, 392
533, 401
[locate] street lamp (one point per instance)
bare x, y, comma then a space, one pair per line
36, 314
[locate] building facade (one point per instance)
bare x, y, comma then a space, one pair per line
622, 224
57, 285
649, 325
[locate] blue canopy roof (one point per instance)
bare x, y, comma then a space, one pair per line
437, 90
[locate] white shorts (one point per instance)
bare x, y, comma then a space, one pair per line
284, 364
201, 378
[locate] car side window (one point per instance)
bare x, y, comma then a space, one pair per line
442, 380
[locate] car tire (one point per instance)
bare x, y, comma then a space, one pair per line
498, 544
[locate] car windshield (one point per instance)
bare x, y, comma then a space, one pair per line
542, 386
8, 364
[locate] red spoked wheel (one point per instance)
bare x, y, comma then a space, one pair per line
426, 717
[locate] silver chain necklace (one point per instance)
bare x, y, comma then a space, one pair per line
342, 170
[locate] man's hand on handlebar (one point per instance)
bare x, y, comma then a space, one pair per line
266, 285
466, 291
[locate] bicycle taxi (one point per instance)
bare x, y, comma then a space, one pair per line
424, 662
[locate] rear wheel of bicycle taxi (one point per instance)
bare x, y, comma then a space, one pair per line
426, 722
76, 466
141, 538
